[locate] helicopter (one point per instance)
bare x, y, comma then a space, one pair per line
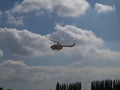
59, 46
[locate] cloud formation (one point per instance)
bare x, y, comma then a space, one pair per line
100, 8
15, 20
28, 44
18, 70
24, 42
88, 45
64, 8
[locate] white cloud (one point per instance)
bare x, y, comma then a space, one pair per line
18, 70
87, 44
16, 15
100, 8
64, 8
1, 53
72, 33
24, 42
28, 44
12, 69
15, 20
68, 8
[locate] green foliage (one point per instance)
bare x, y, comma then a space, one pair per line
70, 86
1, 88
95, 85
105, 85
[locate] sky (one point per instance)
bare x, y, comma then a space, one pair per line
28, 27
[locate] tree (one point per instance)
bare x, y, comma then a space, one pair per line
57, 86
1, 88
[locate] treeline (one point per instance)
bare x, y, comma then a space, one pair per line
70, 86
105, 85
95, 85
1, 88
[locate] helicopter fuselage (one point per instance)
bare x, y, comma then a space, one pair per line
56, 47
60, 46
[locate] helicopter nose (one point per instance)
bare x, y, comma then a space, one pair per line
52, 47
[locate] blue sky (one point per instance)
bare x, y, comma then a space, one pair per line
28, 26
